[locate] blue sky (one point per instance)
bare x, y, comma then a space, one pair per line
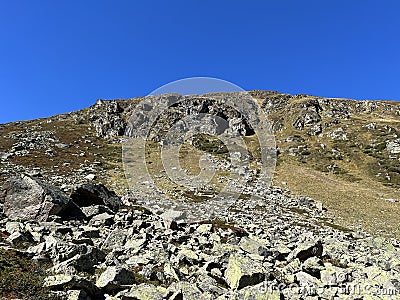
58, 56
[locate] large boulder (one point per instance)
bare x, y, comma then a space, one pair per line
28, 198
113, 278
74, 282
308, 249
95, 194
242, 272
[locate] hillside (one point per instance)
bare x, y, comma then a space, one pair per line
344, 153
333, 207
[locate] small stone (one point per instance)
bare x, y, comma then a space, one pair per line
90, 177
77, 295
103, 219
204, 228
306, 280
62, 146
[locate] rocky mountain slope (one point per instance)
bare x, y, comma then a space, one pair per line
70, 228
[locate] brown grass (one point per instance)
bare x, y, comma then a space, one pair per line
353, 204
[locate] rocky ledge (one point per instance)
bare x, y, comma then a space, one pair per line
100, 246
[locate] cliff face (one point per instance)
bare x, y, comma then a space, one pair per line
335, 189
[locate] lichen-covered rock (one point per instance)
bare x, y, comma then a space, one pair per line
20, 237
172, 217
143, 291
116, 239
188, 256
242, 272
77, 295
114, 277
213, 114
28, 198
338, 134
307, 118
186, 290
103, 219
73, 283
307, 280
313, 266
204, 228
57, 280
332, 275
257, 292
250, 245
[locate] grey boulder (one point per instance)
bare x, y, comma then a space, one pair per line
28, 198
95, 194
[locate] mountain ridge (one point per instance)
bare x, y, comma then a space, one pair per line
326, 227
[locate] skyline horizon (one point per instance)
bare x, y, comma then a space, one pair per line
61, 56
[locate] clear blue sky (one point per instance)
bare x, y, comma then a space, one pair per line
57, 56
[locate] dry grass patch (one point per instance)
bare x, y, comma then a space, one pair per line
358, 204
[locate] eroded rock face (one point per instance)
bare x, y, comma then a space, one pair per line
213, 114
309, 114
107, 119
28, 198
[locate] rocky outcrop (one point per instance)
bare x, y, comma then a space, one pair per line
214, 114
393, 147
28, 198
309, 114
106, 117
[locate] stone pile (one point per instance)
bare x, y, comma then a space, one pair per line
283, 249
